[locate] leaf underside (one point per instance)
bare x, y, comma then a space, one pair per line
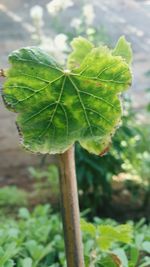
57, 107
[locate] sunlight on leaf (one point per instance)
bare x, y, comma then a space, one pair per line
58, 107
109, 235
81, 47
123, 49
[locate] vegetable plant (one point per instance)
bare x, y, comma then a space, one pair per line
12, 197
58, 106
35, 239
130, 155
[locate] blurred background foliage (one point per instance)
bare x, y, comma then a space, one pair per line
34, 239
123, 173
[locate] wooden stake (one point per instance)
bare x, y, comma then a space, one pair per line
70, 210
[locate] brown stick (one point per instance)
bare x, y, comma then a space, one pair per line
70, 210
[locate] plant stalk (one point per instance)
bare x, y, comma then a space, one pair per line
70, 210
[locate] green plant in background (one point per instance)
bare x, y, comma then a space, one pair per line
11, 198
103, 238
94, 180
11, 195
45, 185
35, 239
129, 154
44, 179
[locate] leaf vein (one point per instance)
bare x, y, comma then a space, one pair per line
55, 109
92, 110
99, 98
39, 62
82, 104
39, 112
37, 91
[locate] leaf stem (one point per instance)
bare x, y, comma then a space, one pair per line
70, 210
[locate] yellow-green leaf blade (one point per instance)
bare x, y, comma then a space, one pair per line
81, 47
58, 107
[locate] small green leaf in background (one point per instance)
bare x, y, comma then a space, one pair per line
9, 251
134, 255
122, 256
125, 233
109, 235
34, 249
123, 49
10, 263
27, 262
88, 228
139, 240
146, 262
57, 107
107, 261
146, 246
106, 235
37, 251
24, 213
54, 265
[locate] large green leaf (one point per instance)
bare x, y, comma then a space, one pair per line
57, 107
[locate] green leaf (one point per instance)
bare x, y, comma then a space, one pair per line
122, 256
88, 228
54, 265
107, 261
134, 255
146, 246
139, 238
125, 233
27, 262
24, 213
34, 249
81, 47
123, 49
109, 235
10, 251
57, 107
45, 252
146, 262
10, 263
